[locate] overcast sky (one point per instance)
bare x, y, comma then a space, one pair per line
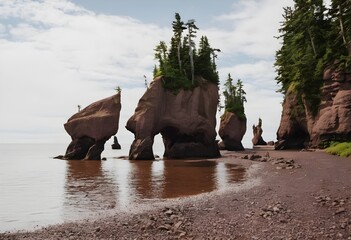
56, 54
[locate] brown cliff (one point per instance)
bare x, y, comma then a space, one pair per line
186, 121
299, 128
92, 127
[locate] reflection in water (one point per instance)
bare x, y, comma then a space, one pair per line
87, 188
93, 186
183, 178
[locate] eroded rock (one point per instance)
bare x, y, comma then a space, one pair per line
257, 134
232, 130
185, 119
92, 127
300, 128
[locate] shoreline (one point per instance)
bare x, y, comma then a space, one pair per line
312, 201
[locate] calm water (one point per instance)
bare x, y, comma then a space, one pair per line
37, 190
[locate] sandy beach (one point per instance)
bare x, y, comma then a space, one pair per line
287, 195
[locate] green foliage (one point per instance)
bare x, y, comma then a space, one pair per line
234, 97
313, 38
181, 62
298, 62
340, 149
118, 89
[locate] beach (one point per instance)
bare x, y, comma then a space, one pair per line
307, 198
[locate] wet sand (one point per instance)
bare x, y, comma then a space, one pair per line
307, 198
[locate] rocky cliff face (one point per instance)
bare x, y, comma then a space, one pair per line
186, 121
232, 130
299, 128
92, 127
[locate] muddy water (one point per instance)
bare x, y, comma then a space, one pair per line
91, 186
37, 190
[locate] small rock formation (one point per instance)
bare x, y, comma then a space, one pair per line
232, 130
299, 128
186, 121
115, 144
257, 134
92, 127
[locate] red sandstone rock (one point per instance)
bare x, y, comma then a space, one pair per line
257, 134
299, 128
186, 120
97, 122
232, 130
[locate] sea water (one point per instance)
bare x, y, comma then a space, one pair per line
38, 190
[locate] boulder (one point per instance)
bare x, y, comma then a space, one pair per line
232, 130
91, 127
257, 134
186, 120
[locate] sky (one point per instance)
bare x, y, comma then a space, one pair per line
57, 54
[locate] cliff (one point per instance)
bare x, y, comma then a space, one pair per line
299, 128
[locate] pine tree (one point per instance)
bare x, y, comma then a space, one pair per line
181, 62
234, 97
300, 61
339, 37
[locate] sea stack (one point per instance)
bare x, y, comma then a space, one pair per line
232, 130
257, 134
91, 127
186, 120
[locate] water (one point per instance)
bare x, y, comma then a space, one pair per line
37, 190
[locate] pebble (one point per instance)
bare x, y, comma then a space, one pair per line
340, 210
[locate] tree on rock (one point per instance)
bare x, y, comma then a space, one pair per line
182, 62
233, 122
234, 97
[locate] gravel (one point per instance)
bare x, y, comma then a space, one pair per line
307, 197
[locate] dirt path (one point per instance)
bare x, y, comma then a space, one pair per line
306, 198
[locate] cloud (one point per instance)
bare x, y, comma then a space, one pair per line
56, 55
72, 57
253, 25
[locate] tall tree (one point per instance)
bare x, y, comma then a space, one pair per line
178, 28
299, 62
234, 97
191, 35
339, 36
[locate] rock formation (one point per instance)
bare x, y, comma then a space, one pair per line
299, 128
232, 130
257, 134
185, 119
92, 127
115, 144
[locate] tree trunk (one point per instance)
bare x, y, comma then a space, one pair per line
312, 43
342, 31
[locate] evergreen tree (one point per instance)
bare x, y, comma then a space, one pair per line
178, 28
180, 63
339, 37
206, 65
300, 62
234, 97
